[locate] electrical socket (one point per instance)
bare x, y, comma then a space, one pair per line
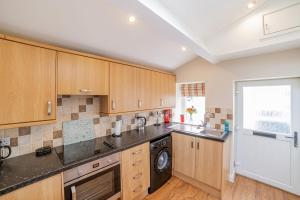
5, 141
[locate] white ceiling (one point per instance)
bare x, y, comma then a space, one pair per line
224, 29
216, 30
98, 26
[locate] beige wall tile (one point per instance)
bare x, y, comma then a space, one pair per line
47, 136
24, 149
36, 145
57, 142
14, 152
13, 132
24, 140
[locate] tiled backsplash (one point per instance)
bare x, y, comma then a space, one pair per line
26, 139
218, 116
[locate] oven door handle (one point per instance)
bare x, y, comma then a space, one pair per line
73, 191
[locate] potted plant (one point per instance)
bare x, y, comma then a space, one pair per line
191, 110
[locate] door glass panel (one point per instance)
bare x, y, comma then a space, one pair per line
267, 108
96, 188
162, 160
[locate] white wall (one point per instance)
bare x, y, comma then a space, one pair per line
219, 78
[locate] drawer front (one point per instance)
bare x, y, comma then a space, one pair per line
135, 171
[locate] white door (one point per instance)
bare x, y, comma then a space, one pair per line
267, 127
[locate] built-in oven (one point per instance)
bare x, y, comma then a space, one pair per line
96, 180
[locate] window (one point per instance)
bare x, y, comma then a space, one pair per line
188, 95
267, 108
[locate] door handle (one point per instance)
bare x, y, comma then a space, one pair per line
49, 108
295, 137
85, 90
113, 105
73, 192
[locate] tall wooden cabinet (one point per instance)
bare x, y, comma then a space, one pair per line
80, 75
28, 84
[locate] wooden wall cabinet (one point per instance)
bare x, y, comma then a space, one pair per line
80, 75
135, 172
49, 189
27, 84
122, 94
143, 89
136, 89
201, 162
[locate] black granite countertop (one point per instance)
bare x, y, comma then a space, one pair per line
24, 170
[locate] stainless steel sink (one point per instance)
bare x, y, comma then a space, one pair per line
198, 130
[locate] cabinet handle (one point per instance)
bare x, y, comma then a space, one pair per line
137, 176
161, 102
137, 152
73, 192
192, 144
139, 103
137, 163
113, 105
49, 107
198, 145
138, 188
85, 90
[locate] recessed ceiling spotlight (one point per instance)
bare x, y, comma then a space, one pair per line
131, 19
183, 48
251, 4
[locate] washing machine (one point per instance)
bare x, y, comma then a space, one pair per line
160, 161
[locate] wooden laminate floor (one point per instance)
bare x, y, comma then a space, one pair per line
242, 189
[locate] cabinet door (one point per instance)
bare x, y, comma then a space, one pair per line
122, 88
143, 86
50, 189
171, 91
135, 172
27, 83
155, 90
184, 154
209, 162
80, 75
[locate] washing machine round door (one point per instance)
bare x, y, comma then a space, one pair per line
163, 160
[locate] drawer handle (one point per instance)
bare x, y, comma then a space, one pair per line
137, 163
85, 90
137, 152
137, 176
138, 188
96, 165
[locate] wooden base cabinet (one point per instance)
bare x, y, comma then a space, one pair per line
27, 84
135, 172
47, 189
201, 162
